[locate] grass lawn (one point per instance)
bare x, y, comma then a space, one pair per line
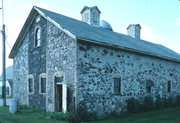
171, 115
25, 116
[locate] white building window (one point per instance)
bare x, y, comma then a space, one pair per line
30, 84
37, 40
42, 83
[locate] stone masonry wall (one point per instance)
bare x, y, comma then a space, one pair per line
37, 61
97, 66
20, 71
60, 60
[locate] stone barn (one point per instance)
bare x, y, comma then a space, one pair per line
62, 63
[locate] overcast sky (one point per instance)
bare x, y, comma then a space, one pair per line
159, 19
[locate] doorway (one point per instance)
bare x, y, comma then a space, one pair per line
60, 98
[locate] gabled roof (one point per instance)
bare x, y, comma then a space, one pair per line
83, 31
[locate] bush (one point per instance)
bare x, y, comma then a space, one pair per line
167, 102
177, 101
148, 103
84, 115
23, 107
60, 116
134, 105
159, 103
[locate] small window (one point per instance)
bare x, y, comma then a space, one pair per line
37, 37
149, 85
117, 85
30, 84
43, 85
169, 86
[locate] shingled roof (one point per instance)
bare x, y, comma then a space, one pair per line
83, 31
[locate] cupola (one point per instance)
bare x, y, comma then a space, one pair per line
91, 15
134, 30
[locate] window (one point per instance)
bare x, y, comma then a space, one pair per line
169, 86
43, 85
30, 84
117, 85
37, 37
149, 85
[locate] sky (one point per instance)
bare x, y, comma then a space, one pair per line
159, 19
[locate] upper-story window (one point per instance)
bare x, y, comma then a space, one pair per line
37, 37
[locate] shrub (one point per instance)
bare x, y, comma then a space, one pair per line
133, 105
23, 107
177, 101
84, 115
59, 116
148, 103
159, 103
168, 102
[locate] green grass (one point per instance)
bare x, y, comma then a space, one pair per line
170, 115
25, 116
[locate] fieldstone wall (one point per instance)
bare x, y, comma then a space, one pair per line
61, 55
20, 71
97, 66
37, 61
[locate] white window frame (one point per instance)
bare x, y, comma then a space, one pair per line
30, 77
42, 75
37, 42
